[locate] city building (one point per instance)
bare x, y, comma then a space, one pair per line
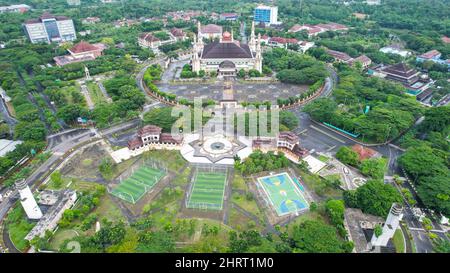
396, 49
58, 202
178, 34
414, 82
49, 28
363, 60
445, 39
341, 57
147, 40
314, 30
27, 200
227, 56
268, 15
229, 16
433, 56
83, 51
373, 2
73, 2
210, 31
286, 142
7, 145
365, 152
22, 8
152, 135
90, 20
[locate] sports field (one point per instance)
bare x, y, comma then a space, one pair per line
141, 181
207, 191
283, 193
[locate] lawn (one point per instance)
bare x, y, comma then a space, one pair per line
173, 159
319, 185
323, 158
207, 191
248, 203
95, 93
398, 241
239, 183
18, 227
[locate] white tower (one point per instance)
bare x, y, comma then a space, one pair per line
27, 200
88, 75
258, 56
389, 228
252, 42
195, 58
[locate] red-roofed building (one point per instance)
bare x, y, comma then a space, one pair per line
339, 56
282, 42
151, 135
364, 152
178, 34
445, 39
363, 60
148, 40
83, 51
210, 31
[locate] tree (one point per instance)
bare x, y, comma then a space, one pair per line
347, 156
436, 119
421, 161
71, 112
434, 191
289, 119
161, 117
374, 167
315, 237
378, 230
441, 246
106, 168
374, 197
56, 179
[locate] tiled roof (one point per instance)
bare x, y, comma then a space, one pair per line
282, 40
177, 32
400, 69
83, 47
430, 54
149, 129
211, 28
148, 37
134, 143
339, 55
363, 152
168, 138
445, 39
288, 136
218, 50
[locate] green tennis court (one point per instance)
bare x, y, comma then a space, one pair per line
283, 193
140, 182
208, 191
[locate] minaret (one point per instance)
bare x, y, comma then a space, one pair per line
252, 42
258, 56
390, 226
199, 30
232, 35
27, 200
195, 58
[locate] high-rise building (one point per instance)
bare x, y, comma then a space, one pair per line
266, 14
27, 200
49, 28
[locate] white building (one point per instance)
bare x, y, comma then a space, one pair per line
266, 14
49, 28
227, 56
397, 50
27, 200
15, 8
210, 31
389, 227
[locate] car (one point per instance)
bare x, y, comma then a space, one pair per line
346, 171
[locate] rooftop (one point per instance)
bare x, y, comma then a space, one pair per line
211, 28
339, 55
149, 129
431, 54
364, 152
230, 50
83, 47
148, 37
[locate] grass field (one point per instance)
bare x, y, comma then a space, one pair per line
141, 181
283, 193
208, 191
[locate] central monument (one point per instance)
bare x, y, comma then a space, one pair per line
226, 56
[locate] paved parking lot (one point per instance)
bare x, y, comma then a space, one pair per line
242, 91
